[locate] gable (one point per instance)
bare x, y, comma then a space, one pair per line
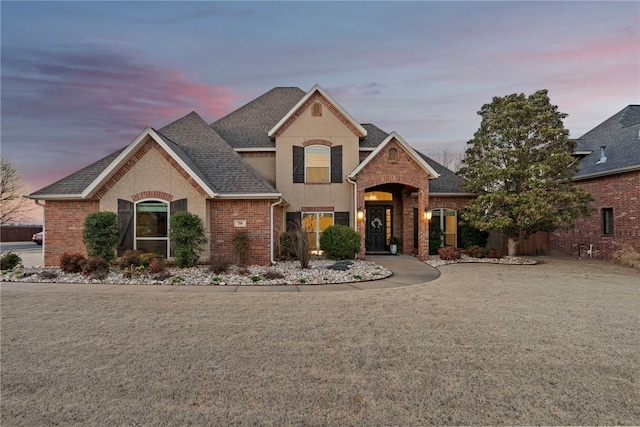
395, 139
306, 106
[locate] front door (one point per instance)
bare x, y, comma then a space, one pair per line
376, 228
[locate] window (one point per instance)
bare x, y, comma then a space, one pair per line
607, 220
448, 221
315, 223
317, 163
152, 227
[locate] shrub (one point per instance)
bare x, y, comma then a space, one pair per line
187, 238
157, 265
130, 258
272, 275
9, 261
240, 242
218, 264
471, 236
101, 235
627, 256
476, 251
300, 245
340, 242
449, 253
288, 242
435, 237
71, 262
95, 267
494, 253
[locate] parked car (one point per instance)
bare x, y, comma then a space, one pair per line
38, 238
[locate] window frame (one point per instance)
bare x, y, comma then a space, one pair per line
608, 227
316, 230
152, 238
440, 214
307, 159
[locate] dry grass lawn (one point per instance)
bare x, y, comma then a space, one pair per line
552, 344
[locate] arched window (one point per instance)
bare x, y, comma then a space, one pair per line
447, 219
317, 163
152, 227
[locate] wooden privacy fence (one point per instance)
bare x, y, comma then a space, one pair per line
18, 233
538, 244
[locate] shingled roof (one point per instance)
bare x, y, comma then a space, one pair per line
447, 183
249, 125
224, 170
620, 136
198, 146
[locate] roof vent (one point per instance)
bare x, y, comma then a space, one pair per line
603, 158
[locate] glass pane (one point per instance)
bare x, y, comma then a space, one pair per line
317, 174
326, 220
151, 219
153, 246
450, 239
309, 222
377, 195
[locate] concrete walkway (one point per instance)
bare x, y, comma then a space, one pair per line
407, 270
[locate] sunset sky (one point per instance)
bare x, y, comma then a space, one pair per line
82, 79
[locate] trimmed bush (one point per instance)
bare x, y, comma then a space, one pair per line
449, 253
627, 256
240, 242
71, 262
101, 235
187, 238
130, 258
340, 242
9, 261
219, 264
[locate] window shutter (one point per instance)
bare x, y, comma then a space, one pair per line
336, 164
293, 219
341, 218
298, 164
178, 206
125, 219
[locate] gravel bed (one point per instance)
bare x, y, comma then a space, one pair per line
320, 271
435, 261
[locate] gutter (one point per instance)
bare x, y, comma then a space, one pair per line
273, 205
355, 202
609, 172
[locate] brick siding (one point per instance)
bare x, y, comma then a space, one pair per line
620, 192
257, 214
64, 224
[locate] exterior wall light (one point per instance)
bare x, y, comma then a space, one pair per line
427, 214
360, 214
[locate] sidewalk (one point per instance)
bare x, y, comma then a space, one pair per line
407, 270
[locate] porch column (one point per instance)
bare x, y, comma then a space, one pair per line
423, 225
360, 225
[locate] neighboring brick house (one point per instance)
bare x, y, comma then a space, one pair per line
609, 167
288, 156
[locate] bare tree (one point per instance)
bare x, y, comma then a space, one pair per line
447, 157
13, 207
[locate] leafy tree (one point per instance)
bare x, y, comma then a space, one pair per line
13, 207
101, 235
519, 163
187, 238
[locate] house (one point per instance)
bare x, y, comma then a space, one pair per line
609, 168
287, 156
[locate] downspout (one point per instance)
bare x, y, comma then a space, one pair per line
273, 205
44, 223
355, 202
